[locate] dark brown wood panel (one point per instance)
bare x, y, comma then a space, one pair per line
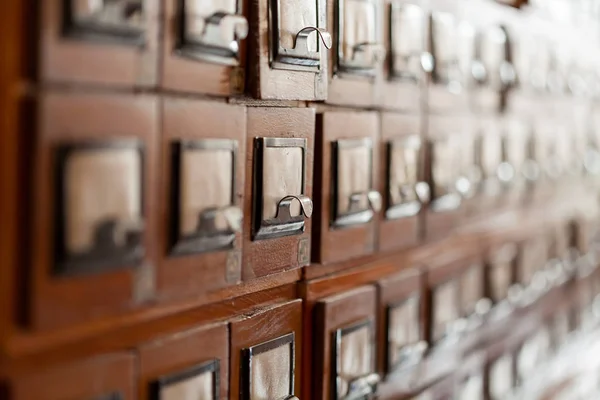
71, 118
198, 124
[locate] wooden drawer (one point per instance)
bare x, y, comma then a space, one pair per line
266, 353
106, 377
449, 156
358, 51
349, 205
112, 43
452, 50
402, 338
404, 189
278, 204
204, 46
404, 79
345, 340
288, 56
500, 272
94, 218
186, 365
203, 146
489, 175
455, 286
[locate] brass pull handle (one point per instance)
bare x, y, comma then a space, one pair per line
301, 42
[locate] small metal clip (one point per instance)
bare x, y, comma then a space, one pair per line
300, 55
284, 224
356, 213
207, 236
407, 209
213, 31
301, 44
211, 42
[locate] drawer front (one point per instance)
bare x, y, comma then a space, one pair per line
345, 339
107, 43
189, 365
204, 46
350, 210
94, 229
266, 353
105, 377
278, 206
203, 159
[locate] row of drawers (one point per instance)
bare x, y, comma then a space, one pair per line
280, 49
201, 195
348, 345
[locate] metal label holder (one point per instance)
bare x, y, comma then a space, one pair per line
355, 215
298, 58
211, 45
119, 31
249, 353
353, 66
360, 387
207, 237
421, 189
445, 202
411, 353
212, 366
106, 254
283, 224
423, 58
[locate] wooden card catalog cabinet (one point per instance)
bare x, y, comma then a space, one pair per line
278, 199
500, 377
266, 352
203, 153
290, 58
500, 272
402, 338
189, 365
406, 191
95, 180
345, 343
99, 41
104, 377
408, 61
204, 46
358, 50
349, 210
494, 73
452, 46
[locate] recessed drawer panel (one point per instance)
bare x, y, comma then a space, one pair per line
266, 353
94, 229
101, 42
